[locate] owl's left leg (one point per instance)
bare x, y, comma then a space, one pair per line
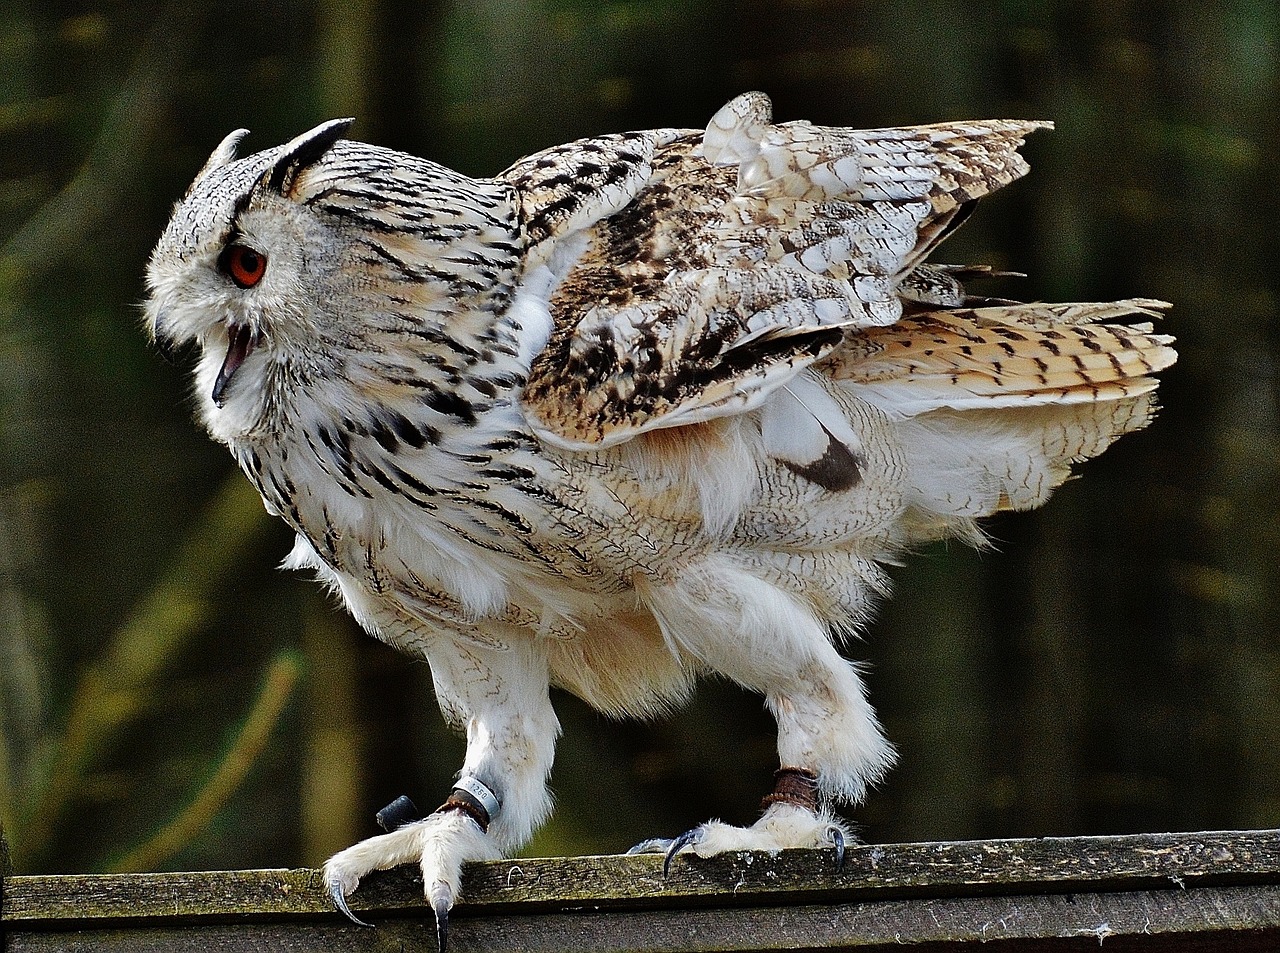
500, 695
830, 746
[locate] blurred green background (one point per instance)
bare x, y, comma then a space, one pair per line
168, 699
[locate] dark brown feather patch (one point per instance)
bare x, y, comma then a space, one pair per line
837, 470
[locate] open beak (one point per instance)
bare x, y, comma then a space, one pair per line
241, 340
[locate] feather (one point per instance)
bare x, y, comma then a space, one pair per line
672, 319
1006, 356
806, 431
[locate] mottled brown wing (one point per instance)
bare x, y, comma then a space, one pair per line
704, 270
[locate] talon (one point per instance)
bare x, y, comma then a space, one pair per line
837, 840
441, 908
441, 899
677, 845
340, 901
654, 845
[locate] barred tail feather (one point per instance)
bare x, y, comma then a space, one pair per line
993, 406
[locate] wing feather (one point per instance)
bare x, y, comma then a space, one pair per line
711, 268
1006, 356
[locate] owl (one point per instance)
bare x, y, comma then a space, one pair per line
640, 408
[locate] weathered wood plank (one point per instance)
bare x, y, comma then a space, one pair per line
1208, 919
881, 871
1075, 921
1213, 891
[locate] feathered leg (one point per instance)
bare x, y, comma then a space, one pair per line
500, 696
829, 743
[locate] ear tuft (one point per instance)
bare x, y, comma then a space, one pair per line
301, 152
222, 155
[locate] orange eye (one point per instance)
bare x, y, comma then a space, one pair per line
245, 266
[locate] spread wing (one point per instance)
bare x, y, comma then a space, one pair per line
702, 271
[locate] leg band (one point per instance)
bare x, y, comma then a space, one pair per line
472, 797
795, 786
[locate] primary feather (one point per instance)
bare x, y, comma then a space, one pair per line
638, 408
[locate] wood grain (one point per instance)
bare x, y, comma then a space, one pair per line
1208, 891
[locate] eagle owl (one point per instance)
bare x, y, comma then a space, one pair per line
640, 408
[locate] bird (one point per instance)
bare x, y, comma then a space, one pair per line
641, 409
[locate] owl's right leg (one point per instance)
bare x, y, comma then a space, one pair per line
830, 746
500, 695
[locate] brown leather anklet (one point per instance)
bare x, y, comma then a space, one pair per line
795, 786
464, 802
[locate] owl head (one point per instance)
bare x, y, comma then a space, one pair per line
282, 264
231, 270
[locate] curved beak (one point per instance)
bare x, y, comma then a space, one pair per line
241, 340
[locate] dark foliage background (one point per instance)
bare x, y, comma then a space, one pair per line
168, 699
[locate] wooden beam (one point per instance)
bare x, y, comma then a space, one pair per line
1211, 891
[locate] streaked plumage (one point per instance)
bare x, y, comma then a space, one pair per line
639, 408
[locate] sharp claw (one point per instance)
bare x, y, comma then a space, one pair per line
837, 839
677, 845
654, 845
340, 901
441, 908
